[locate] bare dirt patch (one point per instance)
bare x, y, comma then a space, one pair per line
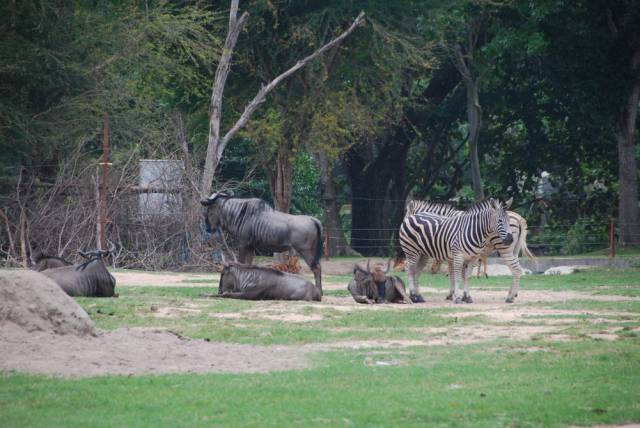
166, 279
42, 330
137, 351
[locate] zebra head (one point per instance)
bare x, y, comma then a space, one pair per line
502, 227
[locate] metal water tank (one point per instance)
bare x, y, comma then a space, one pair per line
166, 177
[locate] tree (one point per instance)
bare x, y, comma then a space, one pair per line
217, 144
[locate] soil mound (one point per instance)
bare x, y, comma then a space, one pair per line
34, 302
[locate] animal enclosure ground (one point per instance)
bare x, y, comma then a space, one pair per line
566, 353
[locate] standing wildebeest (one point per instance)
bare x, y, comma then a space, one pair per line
88, 279
239, 281
255, 225
376, 287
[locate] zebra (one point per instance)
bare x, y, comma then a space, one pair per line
509, 253
456, 239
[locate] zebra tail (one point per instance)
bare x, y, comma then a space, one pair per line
523, 246
319, 245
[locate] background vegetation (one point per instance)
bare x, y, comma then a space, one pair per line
381, 119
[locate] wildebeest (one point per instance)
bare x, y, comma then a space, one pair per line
255, 225
376, 287
42, 261
88, 279
239, 281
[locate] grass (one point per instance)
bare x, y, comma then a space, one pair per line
554, 385
499, 382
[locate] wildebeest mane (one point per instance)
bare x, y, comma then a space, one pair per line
256, 268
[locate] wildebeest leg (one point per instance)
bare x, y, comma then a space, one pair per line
308, 256
414, 269
362, 299
402, 293
245, 255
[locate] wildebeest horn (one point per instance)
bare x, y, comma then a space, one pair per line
386, 271
368, 263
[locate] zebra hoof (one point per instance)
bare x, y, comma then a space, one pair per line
416, 298
458, 300
449, 297
510, 299
467, 298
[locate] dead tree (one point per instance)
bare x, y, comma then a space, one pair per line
216, 144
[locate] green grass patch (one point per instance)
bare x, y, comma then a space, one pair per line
580, 383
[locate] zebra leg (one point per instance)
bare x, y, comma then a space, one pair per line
516, 271
458, 266
467, 270
451, 281
414, 269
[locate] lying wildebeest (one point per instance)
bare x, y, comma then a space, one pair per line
255, 225
239, 281
376, 287
88, 279
43, 261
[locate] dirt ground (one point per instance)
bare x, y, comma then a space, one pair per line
135, 351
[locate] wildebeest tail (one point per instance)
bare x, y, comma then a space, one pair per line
319, 244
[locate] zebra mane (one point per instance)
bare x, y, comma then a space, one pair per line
480, 205
415, 206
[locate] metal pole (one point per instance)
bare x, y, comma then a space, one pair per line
104, 181
612, 240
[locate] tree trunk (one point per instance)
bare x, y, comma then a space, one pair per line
628, 212
281, 185
216, 144
474, 116
333, 233
378, 189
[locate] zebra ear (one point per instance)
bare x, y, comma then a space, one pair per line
508, 203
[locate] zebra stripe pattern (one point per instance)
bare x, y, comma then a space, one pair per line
508, 253
456, 239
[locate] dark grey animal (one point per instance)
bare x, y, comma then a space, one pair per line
255, 225
376, 287
88, 279
239, 281
43, 261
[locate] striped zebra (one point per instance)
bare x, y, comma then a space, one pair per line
457, 239
509, 253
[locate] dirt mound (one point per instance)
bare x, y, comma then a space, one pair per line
34, 302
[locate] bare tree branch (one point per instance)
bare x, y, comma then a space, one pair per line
216, 145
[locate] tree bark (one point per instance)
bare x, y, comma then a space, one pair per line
377, 197
334, 235
214, 149
628, 212
281, 181
216, 145
474, 115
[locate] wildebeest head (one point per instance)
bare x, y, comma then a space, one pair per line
226, 280
211, 208
96, 271
502, 227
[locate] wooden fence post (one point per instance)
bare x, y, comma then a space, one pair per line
612, 240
